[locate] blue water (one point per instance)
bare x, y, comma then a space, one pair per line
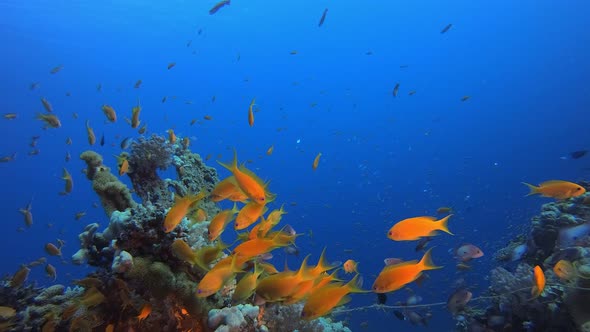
524, 64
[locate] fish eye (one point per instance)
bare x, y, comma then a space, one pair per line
579, 188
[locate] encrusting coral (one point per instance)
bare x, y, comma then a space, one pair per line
114, 194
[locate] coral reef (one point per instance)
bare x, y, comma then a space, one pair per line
560, 232
146, 157
113, 194
140, 282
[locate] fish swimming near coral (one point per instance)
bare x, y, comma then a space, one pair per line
565, 270
394, 277
538, 282
248, 182
557, 189
180, 209
458, 299
324, 300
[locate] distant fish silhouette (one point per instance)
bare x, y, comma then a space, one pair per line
447, 28
578, 154
323, 18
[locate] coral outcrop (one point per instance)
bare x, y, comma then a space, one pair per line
114, 194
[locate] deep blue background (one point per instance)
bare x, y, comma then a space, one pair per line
525, 65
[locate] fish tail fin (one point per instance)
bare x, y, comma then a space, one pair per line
234, 164
303, 268
355, 285
533, 189
235, 267
323, 265
426, 262
444, 224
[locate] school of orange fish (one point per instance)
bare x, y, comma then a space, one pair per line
317, 285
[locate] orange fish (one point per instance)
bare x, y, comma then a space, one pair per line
350, 266
270, 150
250, 184
69, 183
282, 285
316, 161
179, 210
415, 228
444, 210
539, 282
246, 286
322, 301
249, 214
565, 270
556, 189
219, 275
135, 115
124, 167
394, 277
199, 215
272, 220
220, 221
28, 215
109, 112
171, 136
90, 132
51, 120
146, 310
226, 188
251, 113
259, 246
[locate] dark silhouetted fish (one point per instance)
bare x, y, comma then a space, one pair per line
399, 315
323, 17
447, 28
381, 298
102, 140
578, 154
218, 6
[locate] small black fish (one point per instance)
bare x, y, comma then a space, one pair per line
395, 90
218, 6
323, 17
399, 315
102, 140
445, 29
423, 243
125, 143
381, 298
578, 154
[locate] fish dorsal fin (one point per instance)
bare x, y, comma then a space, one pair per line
404, 263
555, 182
427, 218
